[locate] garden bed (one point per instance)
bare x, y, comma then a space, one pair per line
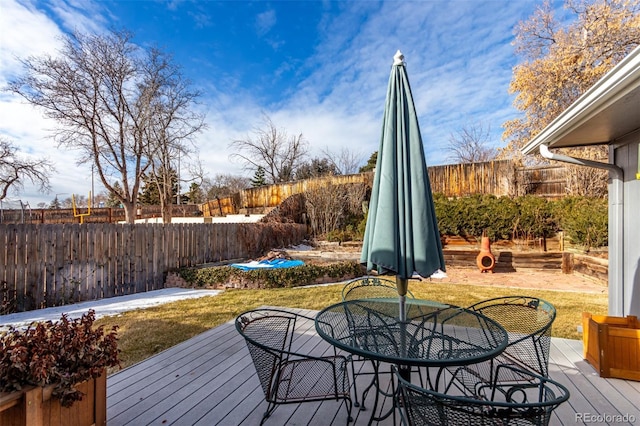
35, 406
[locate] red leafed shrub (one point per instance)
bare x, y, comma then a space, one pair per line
62, 353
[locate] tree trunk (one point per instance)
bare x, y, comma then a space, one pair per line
129, 212
166, 212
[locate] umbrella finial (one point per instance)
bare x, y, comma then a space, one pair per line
398, 58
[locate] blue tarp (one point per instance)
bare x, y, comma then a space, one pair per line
268, 264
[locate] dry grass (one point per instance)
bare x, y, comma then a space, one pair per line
146, 332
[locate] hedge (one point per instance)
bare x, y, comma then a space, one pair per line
584, 220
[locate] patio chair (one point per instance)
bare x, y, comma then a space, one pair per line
370, 287
287, 376
528, 322
367, 287
530, 400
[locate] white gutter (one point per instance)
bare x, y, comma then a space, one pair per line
546, 153
616, 221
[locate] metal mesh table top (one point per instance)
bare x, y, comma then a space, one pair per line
433, 335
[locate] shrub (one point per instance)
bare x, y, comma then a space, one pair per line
269, 278
62, 354
448, 215
535, 218
584, 220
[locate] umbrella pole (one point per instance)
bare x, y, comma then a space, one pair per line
402, 285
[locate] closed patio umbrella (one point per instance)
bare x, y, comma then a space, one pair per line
401, 237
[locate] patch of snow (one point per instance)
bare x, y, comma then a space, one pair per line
104, 307
439, 274
301, 247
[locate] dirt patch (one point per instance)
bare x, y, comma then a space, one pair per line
517, 278
526, 279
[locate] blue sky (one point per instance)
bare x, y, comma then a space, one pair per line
319, 68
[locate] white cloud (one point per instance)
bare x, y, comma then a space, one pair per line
79, 15
265, 21
21, 123
18, 37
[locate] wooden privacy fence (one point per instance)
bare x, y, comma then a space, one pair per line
98, 214
262, 198
498, 177
51, 265
544, 181
459, 180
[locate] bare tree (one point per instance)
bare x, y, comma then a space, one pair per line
15, 170
171, 126
224, 185
329, 206
346, 162
315, 168
471, 145
587, 181
102, 93
272, 149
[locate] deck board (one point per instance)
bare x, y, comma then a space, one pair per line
591, 394
210, 380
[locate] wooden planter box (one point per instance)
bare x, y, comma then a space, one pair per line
35, 406
612, 345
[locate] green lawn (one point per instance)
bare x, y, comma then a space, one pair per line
145, 332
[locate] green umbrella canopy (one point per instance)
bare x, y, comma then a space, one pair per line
401, 237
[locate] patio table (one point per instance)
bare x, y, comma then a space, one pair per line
433, 335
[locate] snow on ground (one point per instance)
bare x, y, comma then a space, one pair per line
104, 307
301, 247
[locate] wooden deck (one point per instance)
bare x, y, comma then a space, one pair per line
210, 380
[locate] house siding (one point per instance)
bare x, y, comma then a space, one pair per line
626, 157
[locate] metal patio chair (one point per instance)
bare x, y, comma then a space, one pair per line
370, 287
287, 376
528, 400
528, 322
367, 287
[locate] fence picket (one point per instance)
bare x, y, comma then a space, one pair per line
49, 255
59, 262
21, 273
34, 270
111, 266
91, 279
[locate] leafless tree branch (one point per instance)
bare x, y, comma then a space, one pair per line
272, 149
15, 170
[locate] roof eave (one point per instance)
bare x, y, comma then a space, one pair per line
614, 85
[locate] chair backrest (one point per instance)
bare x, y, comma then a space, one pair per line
529, 402
528, 322
268, 334
369, 287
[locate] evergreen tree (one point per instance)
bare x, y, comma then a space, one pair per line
55, 203
371, 164
113, 201
149, 194
194, 196
150, 191
259, 178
